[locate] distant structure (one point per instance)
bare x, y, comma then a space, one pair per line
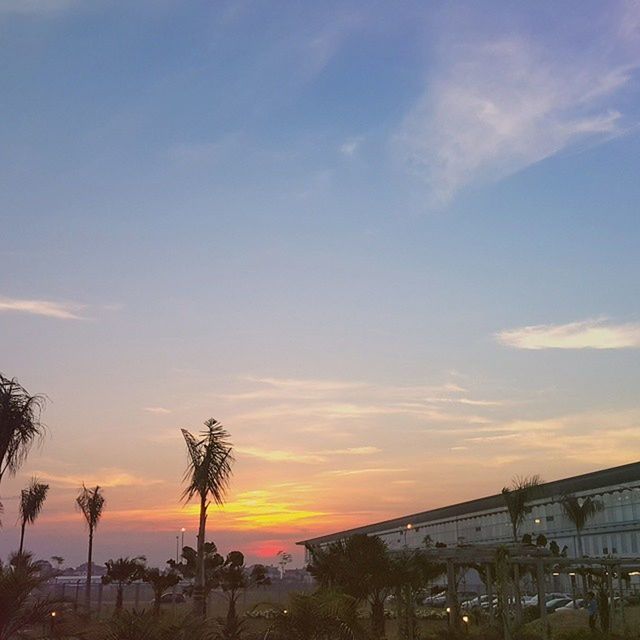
613, 531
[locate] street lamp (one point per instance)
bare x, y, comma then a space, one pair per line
465, 619
407, 528
182, 530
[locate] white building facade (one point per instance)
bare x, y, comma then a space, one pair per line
613, 531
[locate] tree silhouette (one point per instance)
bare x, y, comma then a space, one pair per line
160, 582
234, 579
361, 567
188, 566
207, 475
517, 498
19, 611
318, 616
123, 571
579, 513
20, 424
31, 502
91, 503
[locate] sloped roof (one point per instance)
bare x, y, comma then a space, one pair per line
585, 482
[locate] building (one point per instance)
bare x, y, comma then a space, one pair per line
614, 531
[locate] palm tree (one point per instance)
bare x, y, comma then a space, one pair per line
579, 513
361, 567
20, 424
207, 475
123, 571
188, 566
323, 615
31, 502
91, 502
19, 611
160, 582
517, 498
235, 579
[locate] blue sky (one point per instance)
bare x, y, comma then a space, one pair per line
379, 240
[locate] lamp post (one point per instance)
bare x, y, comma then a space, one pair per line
407, 528
182, 542
177, 541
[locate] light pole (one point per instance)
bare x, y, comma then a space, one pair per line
407, 528
182, 542
177, 541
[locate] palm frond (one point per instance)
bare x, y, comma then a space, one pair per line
91, 503
20, 424
32, 500
208, 471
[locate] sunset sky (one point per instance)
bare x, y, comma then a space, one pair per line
393, 246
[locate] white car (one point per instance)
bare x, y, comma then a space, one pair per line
572, 606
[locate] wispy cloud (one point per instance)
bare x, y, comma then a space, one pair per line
49, 308
587, 334
108, 477
314, 457
365, 471
157, 410
350, 146
500, 104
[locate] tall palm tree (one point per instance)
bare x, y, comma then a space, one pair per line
31, 502
20, 424
123, 571
579, 513
91, 502
207, 475
517, 498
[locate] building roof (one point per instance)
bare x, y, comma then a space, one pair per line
576, 484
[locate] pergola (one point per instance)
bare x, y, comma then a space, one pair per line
520, 556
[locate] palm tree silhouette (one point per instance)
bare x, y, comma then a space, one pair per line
361, 567
91, 502
517, 498
208, 473
123, 571
31, 502
579, 513
20, 424
160, 581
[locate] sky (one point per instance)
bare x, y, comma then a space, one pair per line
392, 246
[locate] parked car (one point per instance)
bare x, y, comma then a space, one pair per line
439, 600
478, 601
170, 598
571, 605
533, 602
552, 605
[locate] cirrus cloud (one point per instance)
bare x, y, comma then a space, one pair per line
587, 334
48, 308
500, 103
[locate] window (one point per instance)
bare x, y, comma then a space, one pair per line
550, 518
605, 550
478, 528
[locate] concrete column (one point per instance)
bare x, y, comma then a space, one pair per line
541, 597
